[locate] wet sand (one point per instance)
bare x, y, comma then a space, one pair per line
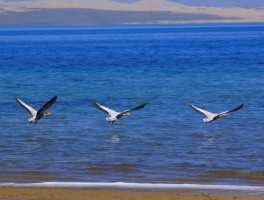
29, 193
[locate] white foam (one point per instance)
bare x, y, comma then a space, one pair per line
138, 185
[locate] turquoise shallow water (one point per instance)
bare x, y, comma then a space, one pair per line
217, 67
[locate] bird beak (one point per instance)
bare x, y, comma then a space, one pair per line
48, 113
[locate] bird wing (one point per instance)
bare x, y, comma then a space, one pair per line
106, 110
199, 110
133, 109
235, 109
45, 107
31, 110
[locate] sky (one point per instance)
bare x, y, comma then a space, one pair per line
222, 3
217, 3
214, 3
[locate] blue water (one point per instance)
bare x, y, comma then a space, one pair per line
217, 67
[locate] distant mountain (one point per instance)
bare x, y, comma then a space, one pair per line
93, 16
115, 12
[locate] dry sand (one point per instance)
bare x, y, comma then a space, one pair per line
25, 193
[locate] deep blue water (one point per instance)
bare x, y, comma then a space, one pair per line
217, 67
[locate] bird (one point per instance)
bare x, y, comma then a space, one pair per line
114, 115
213, 116
37, 115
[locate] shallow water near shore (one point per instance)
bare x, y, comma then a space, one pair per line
217, 67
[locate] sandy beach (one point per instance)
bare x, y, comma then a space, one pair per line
21, 193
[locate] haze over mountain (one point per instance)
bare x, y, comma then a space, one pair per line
128, 11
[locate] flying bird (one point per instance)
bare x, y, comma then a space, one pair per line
37, 115
113, 115
213, 116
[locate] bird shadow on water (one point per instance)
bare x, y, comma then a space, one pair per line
210, 134
114, 139
208, 139
37, 139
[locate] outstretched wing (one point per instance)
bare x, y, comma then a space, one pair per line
133, 109
199, 110
105, 109
138, 107
31, 110
45, 107
235, 109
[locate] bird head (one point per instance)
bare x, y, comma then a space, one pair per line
110, 119
47, 114
207, 120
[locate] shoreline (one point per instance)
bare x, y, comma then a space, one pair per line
51, 193
223, 190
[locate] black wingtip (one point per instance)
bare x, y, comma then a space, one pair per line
17, 100
54, 98
191, 104
143, 105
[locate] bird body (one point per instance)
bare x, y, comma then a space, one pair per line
213, 116
114, 115
37, 115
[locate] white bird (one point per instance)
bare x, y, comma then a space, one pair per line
113, 115
37, 115
213, 116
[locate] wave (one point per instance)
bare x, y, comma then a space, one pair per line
256, 176
138, 185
